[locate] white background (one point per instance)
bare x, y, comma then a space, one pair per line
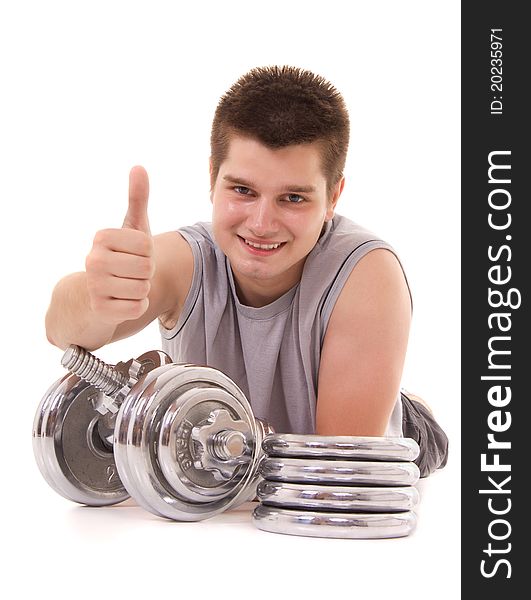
89, 89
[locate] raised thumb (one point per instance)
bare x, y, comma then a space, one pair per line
137, 216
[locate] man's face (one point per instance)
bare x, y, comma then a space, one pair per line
269, 207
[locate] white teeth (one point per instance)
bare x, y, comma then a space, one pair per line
262, 246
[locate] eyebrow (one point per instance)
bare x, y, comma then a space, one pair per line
303, 189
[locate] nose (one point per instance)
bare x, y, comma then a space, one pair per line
262, 220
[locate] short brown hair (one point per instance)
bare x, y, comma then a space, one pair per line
282, 106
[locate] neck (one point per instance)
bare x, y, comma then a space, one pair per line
259, 293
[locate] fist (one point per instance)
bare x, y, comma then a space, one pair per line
121, 264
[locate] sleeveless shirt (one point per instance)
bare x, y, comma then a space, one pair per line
273, 352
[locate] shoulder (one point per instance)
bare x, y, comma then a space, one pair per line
375, 287
370, 265
172, 252
185, 244
347, 258
199, 234
342, 245
173, 272
343, 231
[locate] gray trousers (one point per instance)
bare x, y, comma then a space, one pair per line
418, 423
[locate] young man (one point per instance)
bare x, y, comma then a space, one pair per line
306, 311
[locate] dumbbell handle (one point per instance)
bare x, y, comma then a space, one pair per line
93, 370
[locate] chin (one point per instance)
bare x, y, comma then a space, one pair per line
250, 271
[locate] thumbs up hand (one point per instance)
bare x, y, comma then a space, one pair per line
121, 263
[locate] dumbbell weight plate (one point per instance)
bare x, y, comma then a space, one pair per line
341, 498
72, 442
70, 453
334, 525
155, 452
178, 452
342, 447
339, 472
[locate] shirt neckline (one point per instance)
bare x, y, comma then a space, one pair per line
262, 312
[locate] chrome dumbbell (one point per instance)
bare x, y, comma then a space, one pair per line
185, 444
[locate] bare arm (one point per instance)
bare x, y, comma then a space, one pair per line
364, 349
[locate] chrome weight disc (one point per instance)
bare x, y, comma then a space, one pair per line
185, 443
342, 447
337, 498
339, 472
73, 440
334, 525
72, 455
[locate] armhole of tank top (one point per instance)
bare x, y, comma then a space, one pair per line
193, 292
342, 275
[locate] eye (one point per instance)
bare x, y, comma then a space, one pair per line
294, 198
241, 189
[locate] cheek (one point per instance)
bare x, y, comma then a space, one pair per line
224, 214
231, 211
218, 208
310, 224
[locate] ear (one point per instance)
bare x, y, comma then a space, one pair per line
332, 202
210, 169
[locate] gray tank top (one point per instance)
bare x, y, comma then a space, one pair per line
273, 352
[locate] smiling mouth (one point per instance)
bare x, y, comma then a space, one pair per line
265, 248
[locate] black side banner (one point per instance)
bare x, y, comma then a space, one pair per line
496, 231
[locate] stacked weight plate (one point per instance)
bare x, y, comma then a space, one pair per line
338, 487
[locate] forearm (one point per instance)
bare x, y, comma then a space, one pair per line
70, 320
